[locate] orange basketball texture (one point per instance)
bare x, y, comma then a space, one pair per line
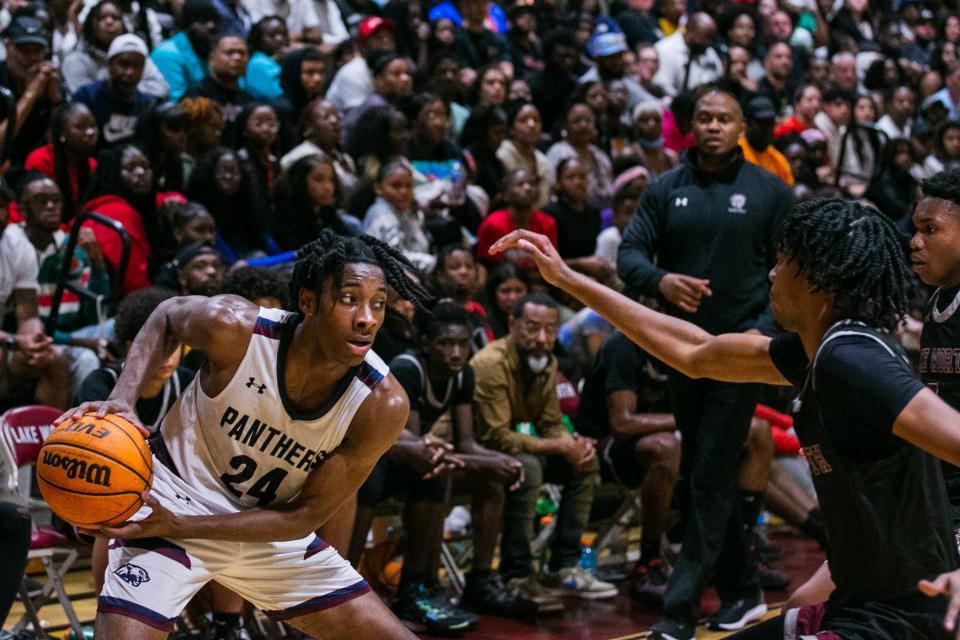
92, 471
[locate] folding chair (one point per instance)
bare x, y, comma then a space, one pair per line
22, 431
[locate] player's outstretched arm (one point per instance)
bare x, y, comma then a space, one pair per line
733, 357
219, 326
375, 427
931, 424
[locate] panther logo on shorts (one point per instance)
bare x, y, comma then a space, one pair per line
132, 574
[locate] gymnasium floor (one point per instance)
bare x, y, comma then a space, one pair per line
620, 618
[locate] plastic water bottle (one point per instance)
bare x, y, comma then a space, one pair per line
588, 559
457, 194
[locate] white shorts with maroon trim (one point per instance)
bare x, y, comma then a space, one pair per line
153, 579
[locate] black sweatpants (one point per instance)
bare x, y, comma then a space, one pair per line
714, 418
14, 545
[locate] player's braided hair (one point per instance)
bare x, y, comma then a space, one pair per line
330, 253
853, 252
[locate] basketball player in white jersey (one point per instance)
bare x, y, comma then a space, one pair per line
282, 424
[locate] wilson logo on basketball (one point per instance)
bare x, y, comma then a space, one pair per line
98, 474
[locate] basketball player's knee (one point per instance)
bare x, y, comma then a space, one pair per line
111, 626
661, 450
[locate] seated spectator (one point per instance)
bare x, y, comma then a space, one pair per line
89, 62
222, 184
321, 131
300, 16
552, 87
456, 277
267, 42
678, 122
227, 64
520, 151
32, 77
625, 201
199, 270
578, 137
440, 172
353, 82
947, 151
257, 130
901, 105
162, 134
124, 191
308, 196
32, 369
578, 222
444, 80
737, 79
776, 74
69, 158
625, 407
204, 129
474, 43
648, 138
41, 203
379, 138
520, 197
608, 47
395, 218
116, 102
265, 287
806, 105
505, 285
483, 133
143, 21
303, 75
518, 413
894, 190
191, 224
491, 87
757, 142
183, 58
687, 57
396, 336
392, 84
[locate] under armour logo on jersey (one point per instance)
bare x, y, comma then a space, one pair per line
253, 383
183, 498
681, 201
132, 574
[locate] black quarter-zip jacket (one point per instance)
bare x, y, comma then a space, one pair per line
717, 226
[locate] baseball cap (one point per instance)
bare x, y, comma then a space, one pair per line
607, 39
127, 43
760, 108
27, 30
373, 24
193, 251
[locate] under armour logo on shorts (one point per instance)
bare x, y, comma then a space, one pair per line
259, 387
132, 574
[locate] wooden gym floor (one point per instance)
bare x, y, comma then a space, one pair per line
620, 618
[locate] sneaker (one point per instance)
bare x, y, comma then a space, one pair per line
529, 588
442, 598
671, 630
575, 581
772, 579
487, 595
737, 614
428, 613
649, 580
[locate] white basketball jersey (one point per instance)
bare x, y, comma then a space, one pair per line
248, 446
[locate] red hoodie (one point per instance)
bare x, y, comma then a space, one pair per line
116, 208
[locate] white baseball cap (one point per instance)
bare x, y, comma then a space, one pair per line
127, 43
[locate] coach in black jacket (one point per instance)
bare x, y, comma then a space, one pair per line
702, 241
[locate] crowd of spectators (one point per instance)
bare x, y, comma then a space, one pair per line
223, 135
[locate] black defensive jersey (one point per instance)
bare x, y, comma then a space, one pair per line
883, 499
940, 370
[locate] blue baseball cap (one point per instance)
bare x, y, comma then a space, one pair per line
607, 39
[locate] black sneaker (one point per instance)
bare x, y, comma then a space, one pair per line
737, 614
772, 579
428, 613
649, 580
487, 595
440, 596
672, 630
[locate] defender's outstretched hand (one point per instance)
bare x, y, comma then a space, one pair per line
552, 267
946, 584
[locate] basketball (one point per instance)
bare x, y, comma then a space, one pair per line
92, 471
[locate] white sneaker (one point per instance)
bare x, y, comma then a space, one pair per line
576, 582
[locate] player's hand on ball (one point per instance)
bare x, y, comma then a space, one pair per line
114, 407
552, 267
159, 523
946, 584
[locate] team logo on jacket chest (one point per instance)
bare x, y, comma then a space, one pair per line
738, 203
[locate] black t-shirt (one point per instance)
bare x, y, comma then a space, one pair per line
940, 370
431, 403
98, 385
620, 366
476, 49
883, 500
577, 231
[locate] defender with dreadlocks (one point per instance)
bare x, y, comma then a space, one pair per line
282, 424
867, 424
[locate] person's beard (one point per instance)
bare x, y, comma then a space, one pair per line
533, 363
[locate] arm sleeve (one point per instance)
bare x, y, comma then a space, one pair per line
635, 260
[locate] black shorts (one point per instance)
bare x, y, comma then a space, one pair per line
394, 479
618, 461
